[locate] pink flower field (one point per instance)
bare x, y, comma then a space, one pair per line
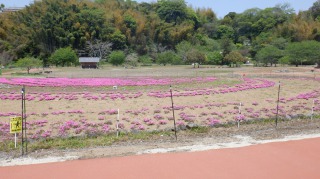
98, 82
65, 107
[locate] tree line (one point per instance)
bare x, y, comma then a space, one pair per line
164, 32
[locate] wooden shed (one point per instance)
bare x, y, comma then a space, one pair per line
89, 62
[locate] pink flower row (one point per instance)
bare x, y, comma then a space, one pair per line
71, 96
64, 82
247, 85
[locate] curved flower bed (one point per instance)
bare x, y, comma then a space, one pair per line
113, 95
247, 85
70, 82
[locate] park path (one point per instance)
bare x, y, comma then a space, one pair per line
293, 159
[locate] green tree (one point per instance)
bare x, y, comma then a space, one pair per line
214, 58
285, 60
234, 57
28, 63
225, 31
64, 56
1, 7
183, 48
166, 57
252, 22
145, 60
269, 55
195, 56
130, 23
117, 57
227, 46
305, 51
301, 27
172, 10
315, 10
118, 41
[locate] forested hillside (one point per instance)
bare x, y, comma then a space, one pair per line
166, 32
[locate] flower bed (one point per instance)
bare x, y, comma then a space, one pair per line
69, 82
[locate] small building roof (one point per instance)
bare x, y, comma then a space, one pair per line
89, 59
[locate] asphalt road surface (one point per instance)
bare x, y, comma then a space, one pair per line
293, 159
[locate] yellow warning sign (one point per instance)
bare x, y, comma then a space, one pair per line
15, 124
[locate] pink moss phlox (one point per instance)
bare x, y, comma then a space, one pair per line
240, 117
212, 121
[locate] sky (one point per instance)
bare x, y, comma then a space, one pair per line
220, 7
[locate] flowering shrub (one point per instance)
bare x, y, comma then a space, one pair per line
158, 117
101, 118
163, 122
212, 121
149, 122
180, 123
240, 117
136, 125
187, 118
156, 111
106, 128
46, 134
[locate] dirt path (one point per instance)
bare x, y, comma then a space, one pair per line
294, 159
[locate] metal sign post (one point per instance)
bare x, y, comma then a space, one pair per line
24, 142
239, 115
118, 119
174, 119
278, 104
312, 109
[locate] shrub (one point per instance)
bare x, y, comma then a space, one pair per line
64, 56
117, 57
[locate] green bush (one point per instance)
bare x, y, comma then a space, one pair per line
64, 57
145, 60
117, 57
167, 57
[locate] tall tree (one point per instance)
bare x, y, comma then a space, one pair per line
195, 56
1, 7
183, 48
172, 10
234, 57
300, 28
315, 10
306, 51
226, 46
269, 55
118, 40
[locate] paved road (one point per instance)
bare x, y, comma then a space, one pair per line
294, 159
